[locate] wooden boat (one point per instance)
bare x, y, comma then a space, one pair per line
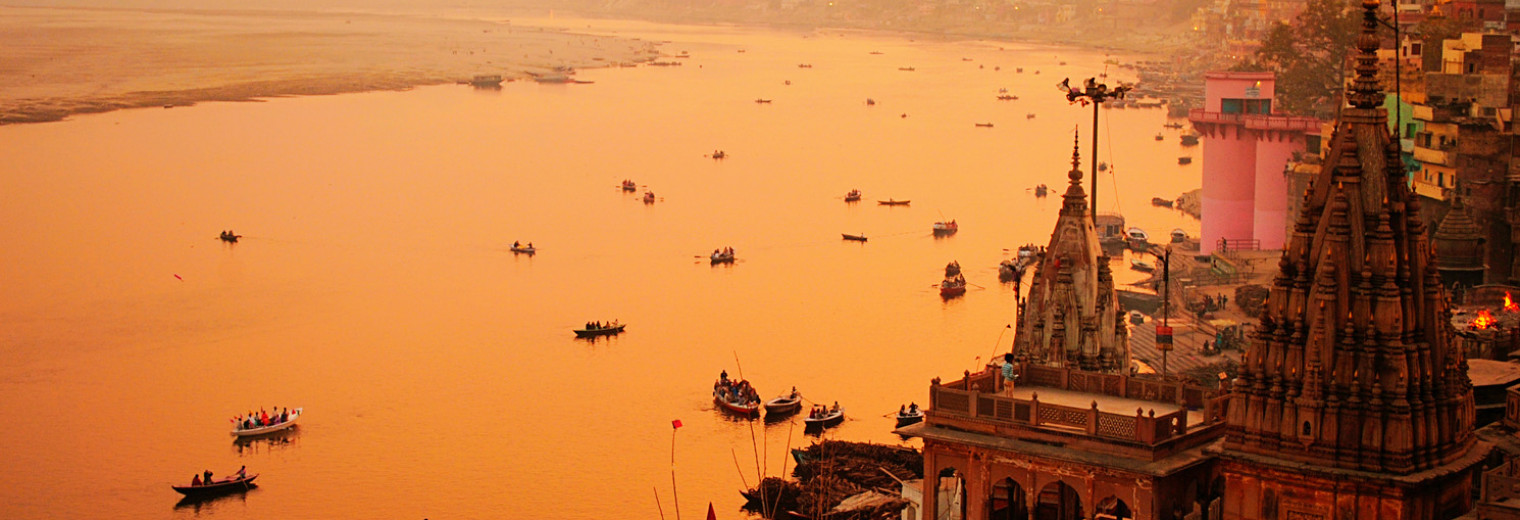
1029, 115
857, 238
1141, 265
607, 330
229, 237
891, 202
1041, 190
1189, 140
486, 80
1007, 97
870, 102
649, 197
1178, 235
747, 409
762, 101
629, 185
1172, 125
946, 228
1160, 137
906, 69
721, 257
1158, 201
984, 125
290, 422
832, 418
1138, 234
1185, 160
720, 154
786, 404
852, 196
952, 287
912, 416
524, 250
218, 487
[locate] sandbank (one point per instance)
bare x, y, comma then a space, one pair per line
64, 61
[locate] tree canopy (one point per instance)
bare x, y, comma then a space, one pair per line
1309, 56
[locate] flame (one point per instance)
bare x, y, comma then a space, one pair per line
1509, 304
1483, 321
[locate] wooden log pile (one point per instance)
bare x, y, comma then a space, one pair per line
832, 471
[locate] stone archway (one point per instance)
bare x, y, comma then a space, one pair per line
950, 503
1007, 501
1058, 501
1113, 508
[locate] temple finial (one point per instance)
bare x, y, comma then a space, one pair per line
1076, 156
1364, 91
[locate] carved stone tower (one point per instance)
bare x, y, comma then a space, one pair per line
1459, 247
1071, 317
1353, 400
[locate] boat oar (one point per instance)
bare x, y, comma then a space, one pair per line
975, 285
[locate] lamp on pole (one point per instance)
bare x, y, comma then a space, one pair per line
1163, 331
1095, 93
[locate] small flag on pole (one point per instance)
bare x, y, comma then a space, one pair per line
711, 515
675, 424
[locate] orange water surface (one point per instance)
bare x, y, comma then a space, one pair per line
373, 285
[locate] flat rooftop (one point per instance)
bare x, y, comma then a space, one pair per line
1106, 403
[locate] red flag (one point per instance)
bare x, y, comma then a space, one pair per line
176, 277
675, 424
710, 514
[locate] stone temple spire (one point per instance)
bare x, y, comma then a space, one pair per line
1354, 366
1071, 317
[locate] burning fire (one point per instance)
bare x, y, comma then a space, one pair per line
1484, 320
1509, 304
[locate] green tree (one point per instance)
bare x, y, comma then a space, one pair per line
1309, 56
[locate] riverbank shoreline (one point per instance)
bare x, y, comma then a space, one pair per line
66, 61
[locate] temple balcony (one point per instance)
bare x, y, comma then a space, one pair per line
1136, 418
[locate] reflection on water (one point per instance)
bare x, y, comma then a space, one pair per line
210, 504
374, 284
269, 442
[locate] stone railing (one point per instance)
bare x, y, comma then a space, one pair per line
1501, 483
979, 396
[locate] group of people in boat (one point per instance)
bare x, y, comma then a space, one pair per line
261, 419
723, 252
518, 245
229, 236
241, 473
820, 411
719, 154
737, 392
599, 325
910, 409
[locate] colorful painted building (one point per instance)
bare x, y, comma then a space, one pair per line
1245, 148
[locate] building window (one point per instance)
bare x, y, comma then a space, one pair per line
1416, 48
1306, 428
1441, 179
1231, 106
1311, 144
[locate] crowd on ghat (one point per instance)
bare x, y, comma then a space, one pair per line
736, 392
261, 419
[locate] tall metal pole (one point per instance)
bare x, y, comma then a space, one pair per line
1166, 298
1094, 165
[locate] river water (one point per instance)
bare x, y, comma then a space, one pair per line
438, 371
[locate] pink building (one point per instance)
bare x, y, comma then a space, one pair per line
1245, 148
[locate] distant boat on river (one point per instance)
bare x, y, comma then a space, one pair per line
891, 202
